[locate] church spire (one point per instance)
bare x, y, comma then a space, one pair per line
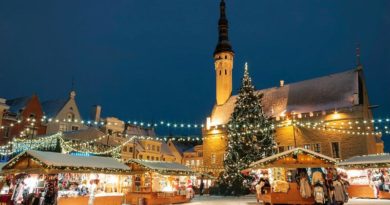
358, 61
223, 37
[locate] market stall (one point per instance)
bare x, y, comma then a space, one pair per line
156, 182
48, 177
367, 175
290, 177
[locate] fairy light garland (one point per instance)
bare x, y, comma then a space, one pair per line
169, 124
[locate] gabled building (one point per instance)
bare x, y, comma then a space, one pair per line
62, 115
22, 118
333, 101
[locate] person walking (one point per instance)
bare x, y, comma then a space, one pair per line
201, 187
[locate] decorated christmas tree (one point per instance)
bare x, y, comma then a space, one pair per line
250, 138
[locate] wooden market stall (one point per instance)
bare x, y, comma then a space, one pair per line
157, 182
73, 179
367, 175
280, 168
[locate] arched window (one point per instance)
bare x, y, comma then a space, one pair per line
220, 72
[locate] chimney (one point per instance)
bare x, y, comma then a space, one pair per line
96, 111
281, 83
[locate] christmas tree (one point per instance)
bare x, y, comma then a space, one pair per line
250, 137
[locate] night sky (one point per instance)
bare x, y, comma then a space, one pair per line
152, 60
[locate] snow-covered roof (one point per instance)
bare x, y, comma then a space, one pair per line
162, 167
374, 160
52, 107
318, 94
61, 161
17, 104
275, 157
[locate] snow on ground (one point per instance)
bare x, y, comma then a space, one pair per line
251, 200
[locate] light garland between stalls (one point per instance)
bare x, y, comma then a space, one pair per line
168, 124
19, 145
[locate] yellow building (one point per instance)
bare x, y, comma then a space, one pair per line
338, 103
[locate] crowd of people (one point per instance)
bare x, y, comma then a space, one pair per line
324, 185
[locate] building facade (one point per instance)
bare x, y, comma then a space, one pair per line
22, 118
62, 115
330, 114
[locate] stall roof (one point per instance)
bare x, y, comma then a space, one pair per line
367, 161
58, 161
269, 160
162, 167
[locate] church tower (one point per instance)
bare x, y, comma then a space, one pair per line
223, 59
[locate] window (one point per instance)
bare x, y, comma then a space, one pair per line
148, 147
124, 149
140, 156
157, 159
74, 128
213, 159
70, 116
158, 148
220, 72
225, 72
62, 127
109, 131
317, 148
281, 149
197, 162
147, 157
200, 154
6, 132
187, 162
290, 147
153, 147
192, 162
307, 146
152, 158
335, 149
130, 149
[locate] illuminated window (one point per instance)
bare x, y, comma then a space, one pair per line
192, 162
62, 127
187, 162
197, 162
213, 158
335, 149
148, 147
307, 146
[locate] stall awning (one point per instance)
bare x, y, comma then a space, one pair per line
295, 158
52, 162
366, 161
165, 168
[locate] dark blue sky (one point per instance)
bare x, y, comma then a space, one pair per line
152, 60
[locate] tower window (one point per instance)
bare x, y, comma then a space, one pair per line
225, 57
225, 72
220, 72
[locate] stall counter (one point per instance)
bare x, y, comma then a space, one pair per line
293, 196
107, 199
156, 198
